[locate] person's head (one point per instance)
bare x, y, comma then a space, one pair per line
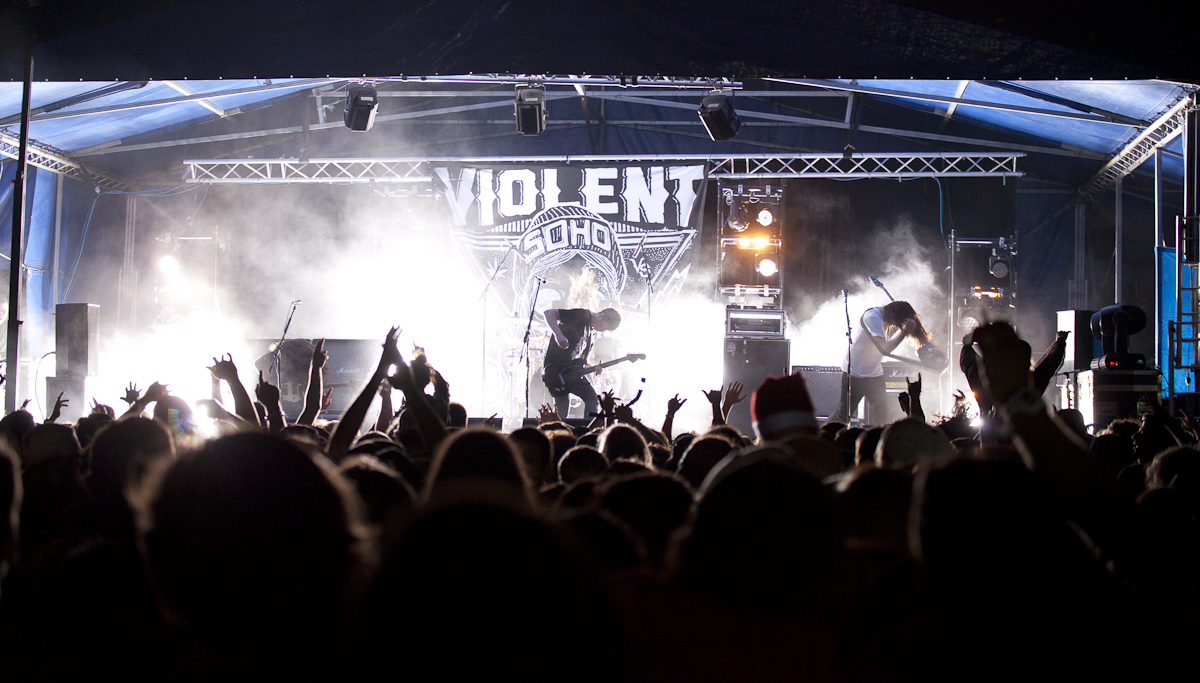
122, 454
622, 442
906, 442
701, 456
382, 489
581, 462
477, 454
535, 449
899, 312
781, 407
764, 532
865, 445
458, 415
255, 543
606, 320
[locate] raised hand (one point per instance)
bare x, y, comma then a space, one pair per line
326, 401
319, 356
131, 394
267, 393
623, 413
914, 388
58, 406
674, 404
905, 402
391, 354
223, 368
608, 401
99, 408
547, 413
714, 396
734, 395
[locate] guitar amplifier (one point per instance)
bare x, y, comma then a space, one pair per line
824, 386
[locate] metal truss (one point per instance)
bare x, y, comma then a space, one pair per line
417, 170
41, 157
866, 166
1138, 150
286, 171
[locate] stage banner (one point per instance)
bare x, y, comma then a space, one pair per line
618, 234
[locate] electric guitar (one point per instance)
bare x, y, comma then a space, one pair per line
929, 355
557, 376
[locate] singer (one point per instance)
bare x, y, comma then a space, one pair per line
569, 326
880, 331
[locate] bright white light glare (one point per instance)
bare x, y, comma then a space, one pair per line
758, 243
168, 264
767, 268
765, 217
977, 422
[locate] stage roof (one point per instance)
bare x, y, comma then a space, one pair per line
127, 91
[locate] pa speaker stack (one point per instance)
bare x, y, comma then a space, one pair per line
77, 358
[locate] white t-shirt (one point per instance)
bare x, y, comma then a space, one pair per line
867, 360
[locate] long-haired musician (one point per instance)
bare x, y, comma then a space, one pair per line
880, 330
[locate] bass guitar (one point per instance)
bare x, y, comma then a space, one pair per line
557, 376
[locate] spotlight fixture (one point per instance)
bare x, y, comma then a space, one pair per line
998, 265
719, 118
767, 268
765, 217
361, 105
530, 110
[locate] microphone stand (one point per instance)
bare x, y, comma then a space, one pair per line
275, 364
525, 341
849, 357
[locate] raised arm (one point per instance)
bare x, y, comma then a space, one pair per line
714, 399
673, 406
268, 395
429, 425
312, 397
223, 368
386, 413
348, 426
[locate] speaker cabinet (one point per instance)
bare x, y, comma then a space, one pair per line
824, 386
750, 361
77, 340
1081, 346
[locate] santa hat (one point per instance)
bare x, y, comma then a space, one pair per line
781, 404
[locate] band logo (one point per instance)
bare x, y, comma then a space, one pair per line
632, 225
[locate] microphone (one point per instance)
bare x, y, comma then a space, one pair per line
540, 279
845, 293
296, 302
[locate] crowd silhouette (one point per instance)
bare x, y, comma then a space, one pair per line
417, 548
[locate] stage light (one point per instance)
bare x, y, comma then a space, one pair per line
998, 265
168, 264
361, 106
757, 243
719, 118
765, 217
530, 109
767, 268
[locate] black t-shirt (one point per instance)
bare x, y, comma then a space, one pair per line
573, 322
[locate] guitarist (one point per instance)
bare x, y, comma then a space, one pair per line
880, 331
569, 327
